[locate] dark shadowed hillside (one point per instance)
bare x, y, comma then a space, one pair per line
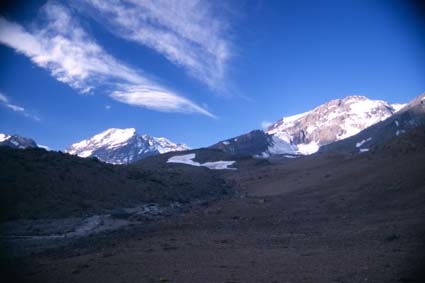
39, 184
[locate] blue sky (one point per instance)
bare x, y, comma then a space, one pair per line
197, 71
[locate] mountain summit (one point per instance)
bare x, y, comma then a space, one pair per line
122, 146
16, 141
333, 121
408, 119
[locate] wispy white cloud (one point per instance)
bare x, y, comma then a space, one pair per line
265, 125
157, 99
188, 33
5, 101
60, 45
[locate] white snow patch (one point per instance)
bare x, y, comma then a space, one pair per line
188, 159
396, 123
364, 150
115, 137
308, 148
44, 147
185, 159
282, 136
398, 132
350, 130
359, 144
219, 165
310, 129
85, 153
264, 154
4, 137
365, 106
226, 143
398, 106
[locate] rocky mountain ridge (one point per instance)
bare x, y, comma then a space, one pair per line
302, 134
305, 133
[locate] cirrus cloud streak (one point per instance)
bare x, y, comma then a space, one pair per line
4, 100
157, 99
60, 45
188, 33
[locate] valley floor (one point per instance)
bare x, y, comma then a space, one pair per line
271, 239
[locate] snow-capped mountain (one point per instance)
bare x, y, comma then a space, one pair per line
410, 117
305, 133
333, 121
16, 141
123, 146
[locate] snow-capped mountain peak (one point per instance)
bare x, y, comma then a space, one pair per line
335, 120
109, 139
165, 145
120, 146
407, 117
16, 141
3, 137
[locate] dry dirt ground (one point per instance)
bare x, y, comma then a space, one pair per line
325, 218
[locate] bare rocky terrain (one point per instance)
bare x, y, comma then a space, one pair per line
329, 217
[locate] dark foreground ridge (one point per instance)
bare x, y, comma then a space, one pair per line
42, 184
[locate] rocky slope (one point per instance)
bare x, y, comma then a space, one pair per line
123, 146
254, 142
